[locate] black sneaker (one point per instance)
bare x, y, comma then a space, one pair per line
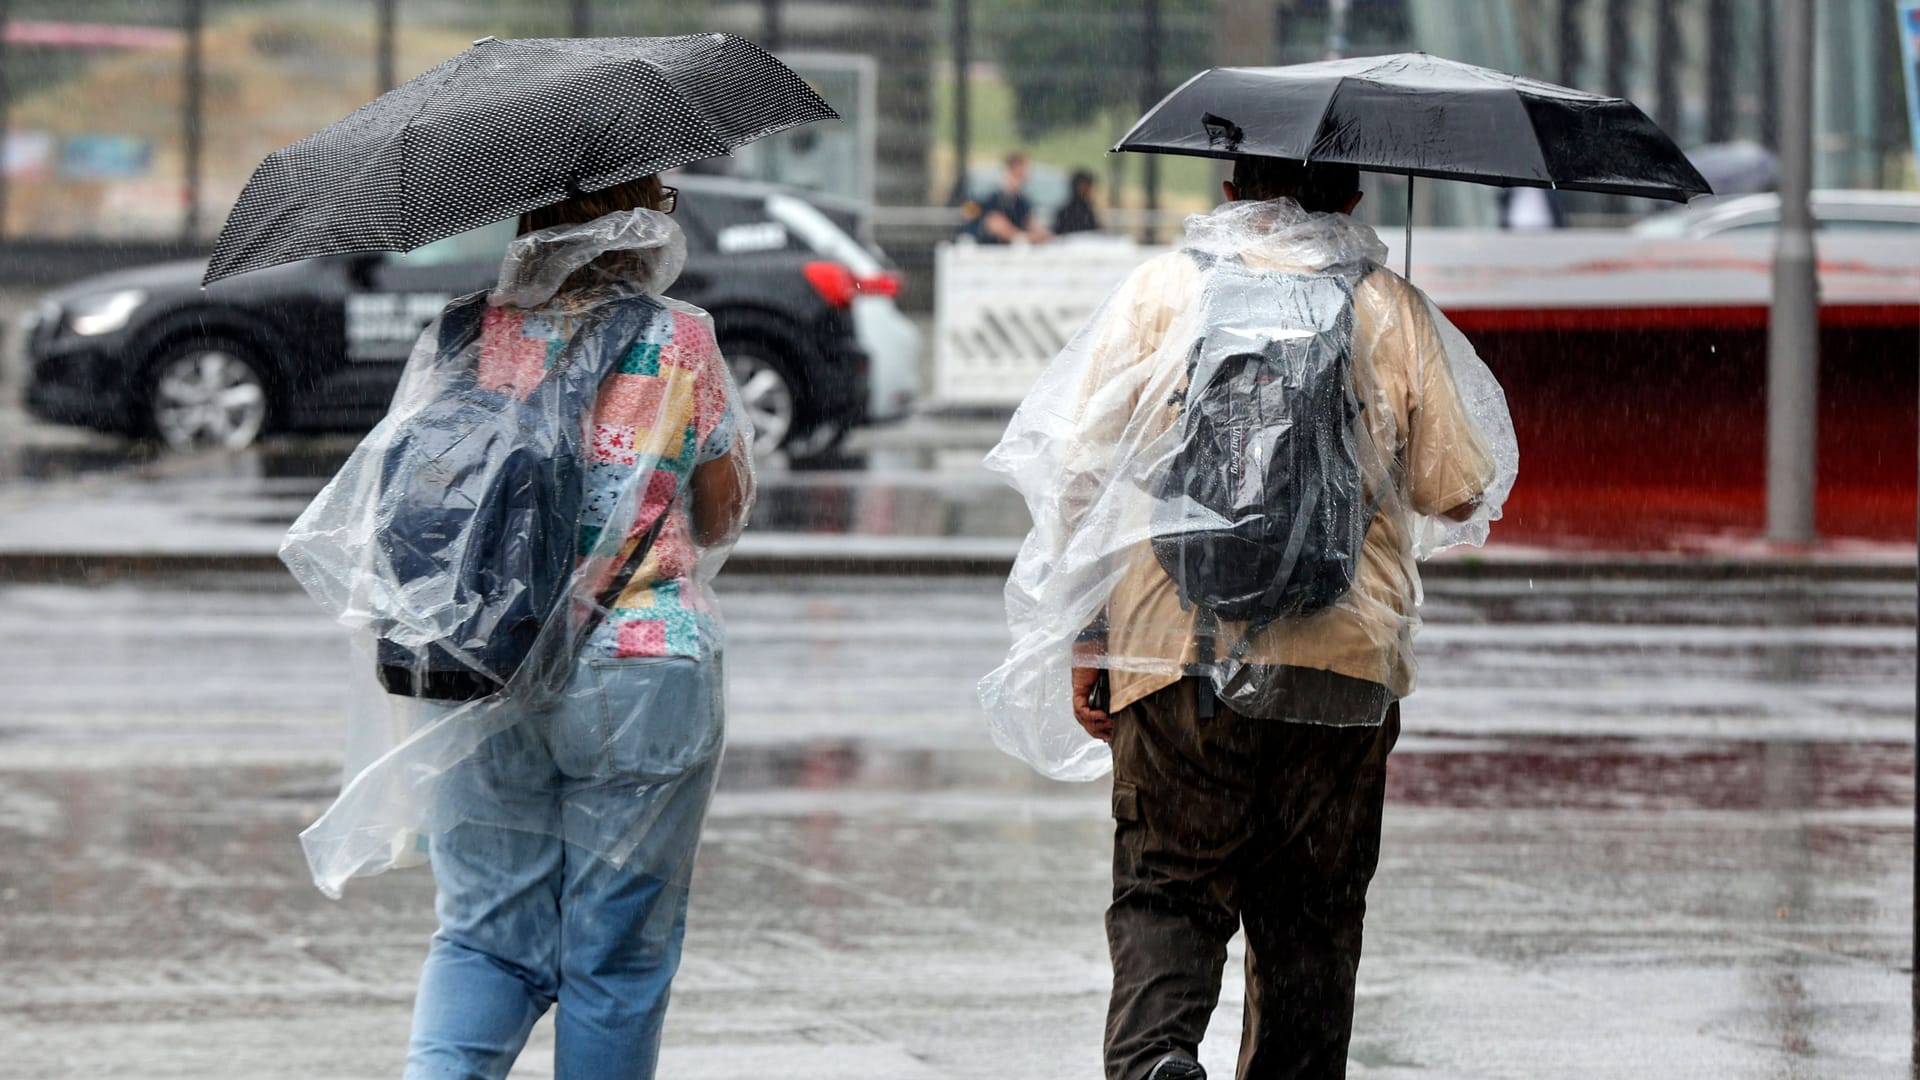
1176, 1066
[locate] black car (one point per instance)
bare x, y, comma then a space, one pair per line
318, 345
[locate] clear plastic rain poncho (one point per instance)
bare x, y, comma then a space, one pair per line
524, 547
1231, 470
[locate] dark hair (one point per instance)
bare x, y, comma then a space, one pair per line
1082, 176
578, 209
1325, 187
1016, 159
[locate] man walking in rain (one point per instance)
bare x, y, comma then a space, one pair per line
1232, 470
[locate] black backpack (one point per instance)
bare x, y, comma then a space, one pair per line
1259, 513
483, 492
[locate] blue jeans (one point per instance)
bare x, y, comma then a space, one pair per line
562, 879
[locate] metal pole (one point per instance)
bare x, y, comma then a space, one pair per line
1408, 265
1619, 20
193, 111
772, 27
1793, 360
1719, 71
1618, 16
1769, 76
386, 11
1149, 97
962, 99
1666, 66
580, 19
1569, 41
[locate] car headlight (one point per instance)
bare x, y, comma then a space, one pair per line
104, 313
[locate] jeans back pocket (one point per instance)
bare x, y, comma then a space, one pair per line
646, 718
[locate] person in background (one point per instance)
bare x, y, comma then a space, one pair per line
1007, 215
1078, 215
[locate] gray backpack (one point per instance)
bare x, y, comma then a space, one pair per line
1259, 511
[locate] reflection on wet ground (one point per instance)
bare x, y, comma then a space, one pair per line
907, 918
869, 493
43, 464
894, 660
1632, 831
1450, 772
922, 479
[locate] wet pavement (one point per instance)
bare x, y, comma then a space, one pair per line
909, 498
900, 492
1633, 830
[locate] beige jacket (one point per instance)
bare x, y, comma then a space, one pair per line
1431, 459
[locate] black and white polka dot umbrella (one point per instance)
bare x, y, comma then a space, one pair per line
504, 128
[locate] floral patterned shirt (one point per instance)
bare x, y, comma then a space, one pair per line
667, 408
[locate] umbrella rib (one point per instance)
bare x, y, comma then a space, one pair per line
1326, 108
1161, 104
692, 106
1533, 132
406, 134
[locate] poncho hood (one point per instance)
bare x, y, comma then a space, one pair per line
1281, 231
539, 263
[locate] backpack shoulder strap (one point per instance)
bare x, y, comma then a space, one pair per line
612, 322
460, 324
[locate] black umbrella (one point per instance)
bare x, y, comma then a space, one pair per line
504, 128
1421, 115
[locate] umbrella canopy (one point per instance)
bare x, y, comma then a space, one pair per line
1422, 116
504, 128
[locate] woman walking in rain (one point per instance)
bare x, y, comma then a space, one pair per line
527, 541
530, 536
532, 911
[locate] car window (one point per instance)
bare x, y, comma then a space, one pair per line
740, 226
484, 244
818, 232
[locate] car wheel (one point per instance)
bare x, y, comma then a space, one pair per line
208, 394
769, 393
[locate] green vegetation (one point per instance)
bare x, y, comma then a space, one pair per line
1068, 59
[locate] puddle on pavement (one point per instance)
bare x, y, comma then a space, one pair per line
52, 464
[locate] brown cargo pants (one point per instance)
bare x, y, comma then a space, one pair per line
1229, 822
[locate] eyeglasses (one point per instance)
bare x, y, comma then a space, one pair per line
669, 198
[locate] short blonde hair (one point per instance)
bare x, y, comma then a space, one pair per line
644, 193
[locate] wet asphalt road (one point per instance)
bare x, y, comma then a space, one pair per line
1634, 829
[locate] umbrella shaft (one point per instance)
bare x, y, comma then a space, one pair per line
1407, 261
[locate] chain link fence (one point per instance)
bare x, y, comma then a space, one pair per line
140, 120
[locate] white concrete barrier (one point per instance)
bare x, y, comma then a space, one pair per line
1000, 313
